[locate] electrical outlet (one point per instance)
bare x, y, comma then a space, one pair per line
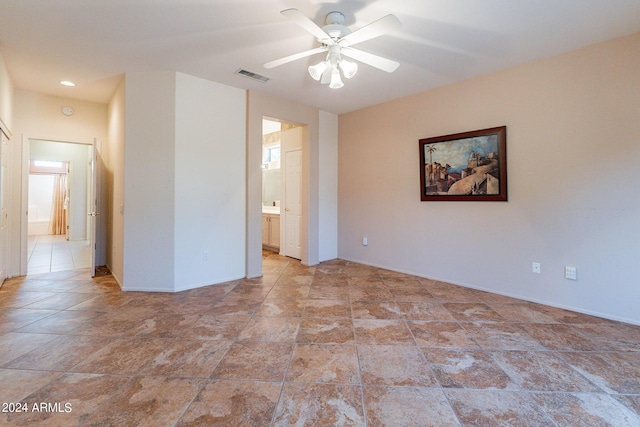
535, 267
365, 241
205, 256
570, 273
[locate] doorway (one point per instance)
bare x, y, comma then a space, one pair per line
56, 232
282, 187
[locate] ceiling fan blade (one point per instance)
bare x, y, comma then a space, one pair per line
275, 63
376, 61
299, 18
384, 25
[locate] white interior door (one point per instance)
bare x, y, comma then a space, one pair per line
293, 203
93, 213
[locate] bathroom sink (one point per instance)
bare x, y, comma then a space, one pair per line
271, 210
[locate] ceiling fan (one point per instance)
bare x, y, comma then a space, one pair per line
336, 39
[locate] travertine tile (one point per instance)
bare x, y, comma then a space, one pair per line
290, 291
147, 401
496, 408
212, 327
407, 406
619, 337
102, 302
122, 356
294, 281
329, 279
249, 291
233, 403
630, 401
320, 405
214, 292
445, 292
329, 292
14, 299
324, 363
541, 371
77, 397
572, 317
325, 331
282, 307
309, 346
187, 358
274, 329
562, 337
502, 336
472, 312
235, 306
473, 369
164, 325
586, 409
394, 366
523, 312
296, 269
255, 361
613, 372
327, 308
18, 384
12, 319
382, 331
426, 310
409, 293
14, 345
60, 323
114, 323
441, 334
60, 354
369, 292
375, 310
371, 279
60, 301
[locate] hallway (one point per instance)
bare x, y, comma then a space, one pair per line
51, 253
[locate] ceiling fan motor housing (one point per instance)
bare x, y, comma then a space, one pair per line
335, 27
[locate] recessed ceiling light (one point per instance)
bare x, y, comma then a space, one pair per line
67, 83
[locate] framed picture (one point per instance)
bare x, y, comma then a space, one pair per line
469, 166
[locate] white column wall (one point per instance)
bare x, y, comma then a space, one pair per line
328, 187
210, 182
149, 176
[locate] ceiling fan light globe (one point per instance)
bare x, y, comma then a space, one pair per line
316, 70
348, 68
336, 81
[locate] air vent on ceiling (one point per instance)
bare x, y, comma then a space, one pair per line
253, 76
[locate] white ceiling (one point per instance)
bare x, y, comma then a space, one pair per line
93, 43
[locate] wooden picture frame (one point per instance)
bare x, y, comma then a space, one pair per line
469, 166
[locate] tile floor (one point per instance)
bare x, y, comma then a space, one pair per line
334, 345
48, 253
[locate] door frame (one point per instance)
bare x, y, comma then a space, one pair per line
24, 202
259, 106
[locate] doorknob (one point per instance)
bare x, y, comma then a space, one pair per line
93, 213
286, 209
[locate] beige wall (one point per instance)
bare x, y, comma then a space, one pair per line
6, 98
115, 183
573, 133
